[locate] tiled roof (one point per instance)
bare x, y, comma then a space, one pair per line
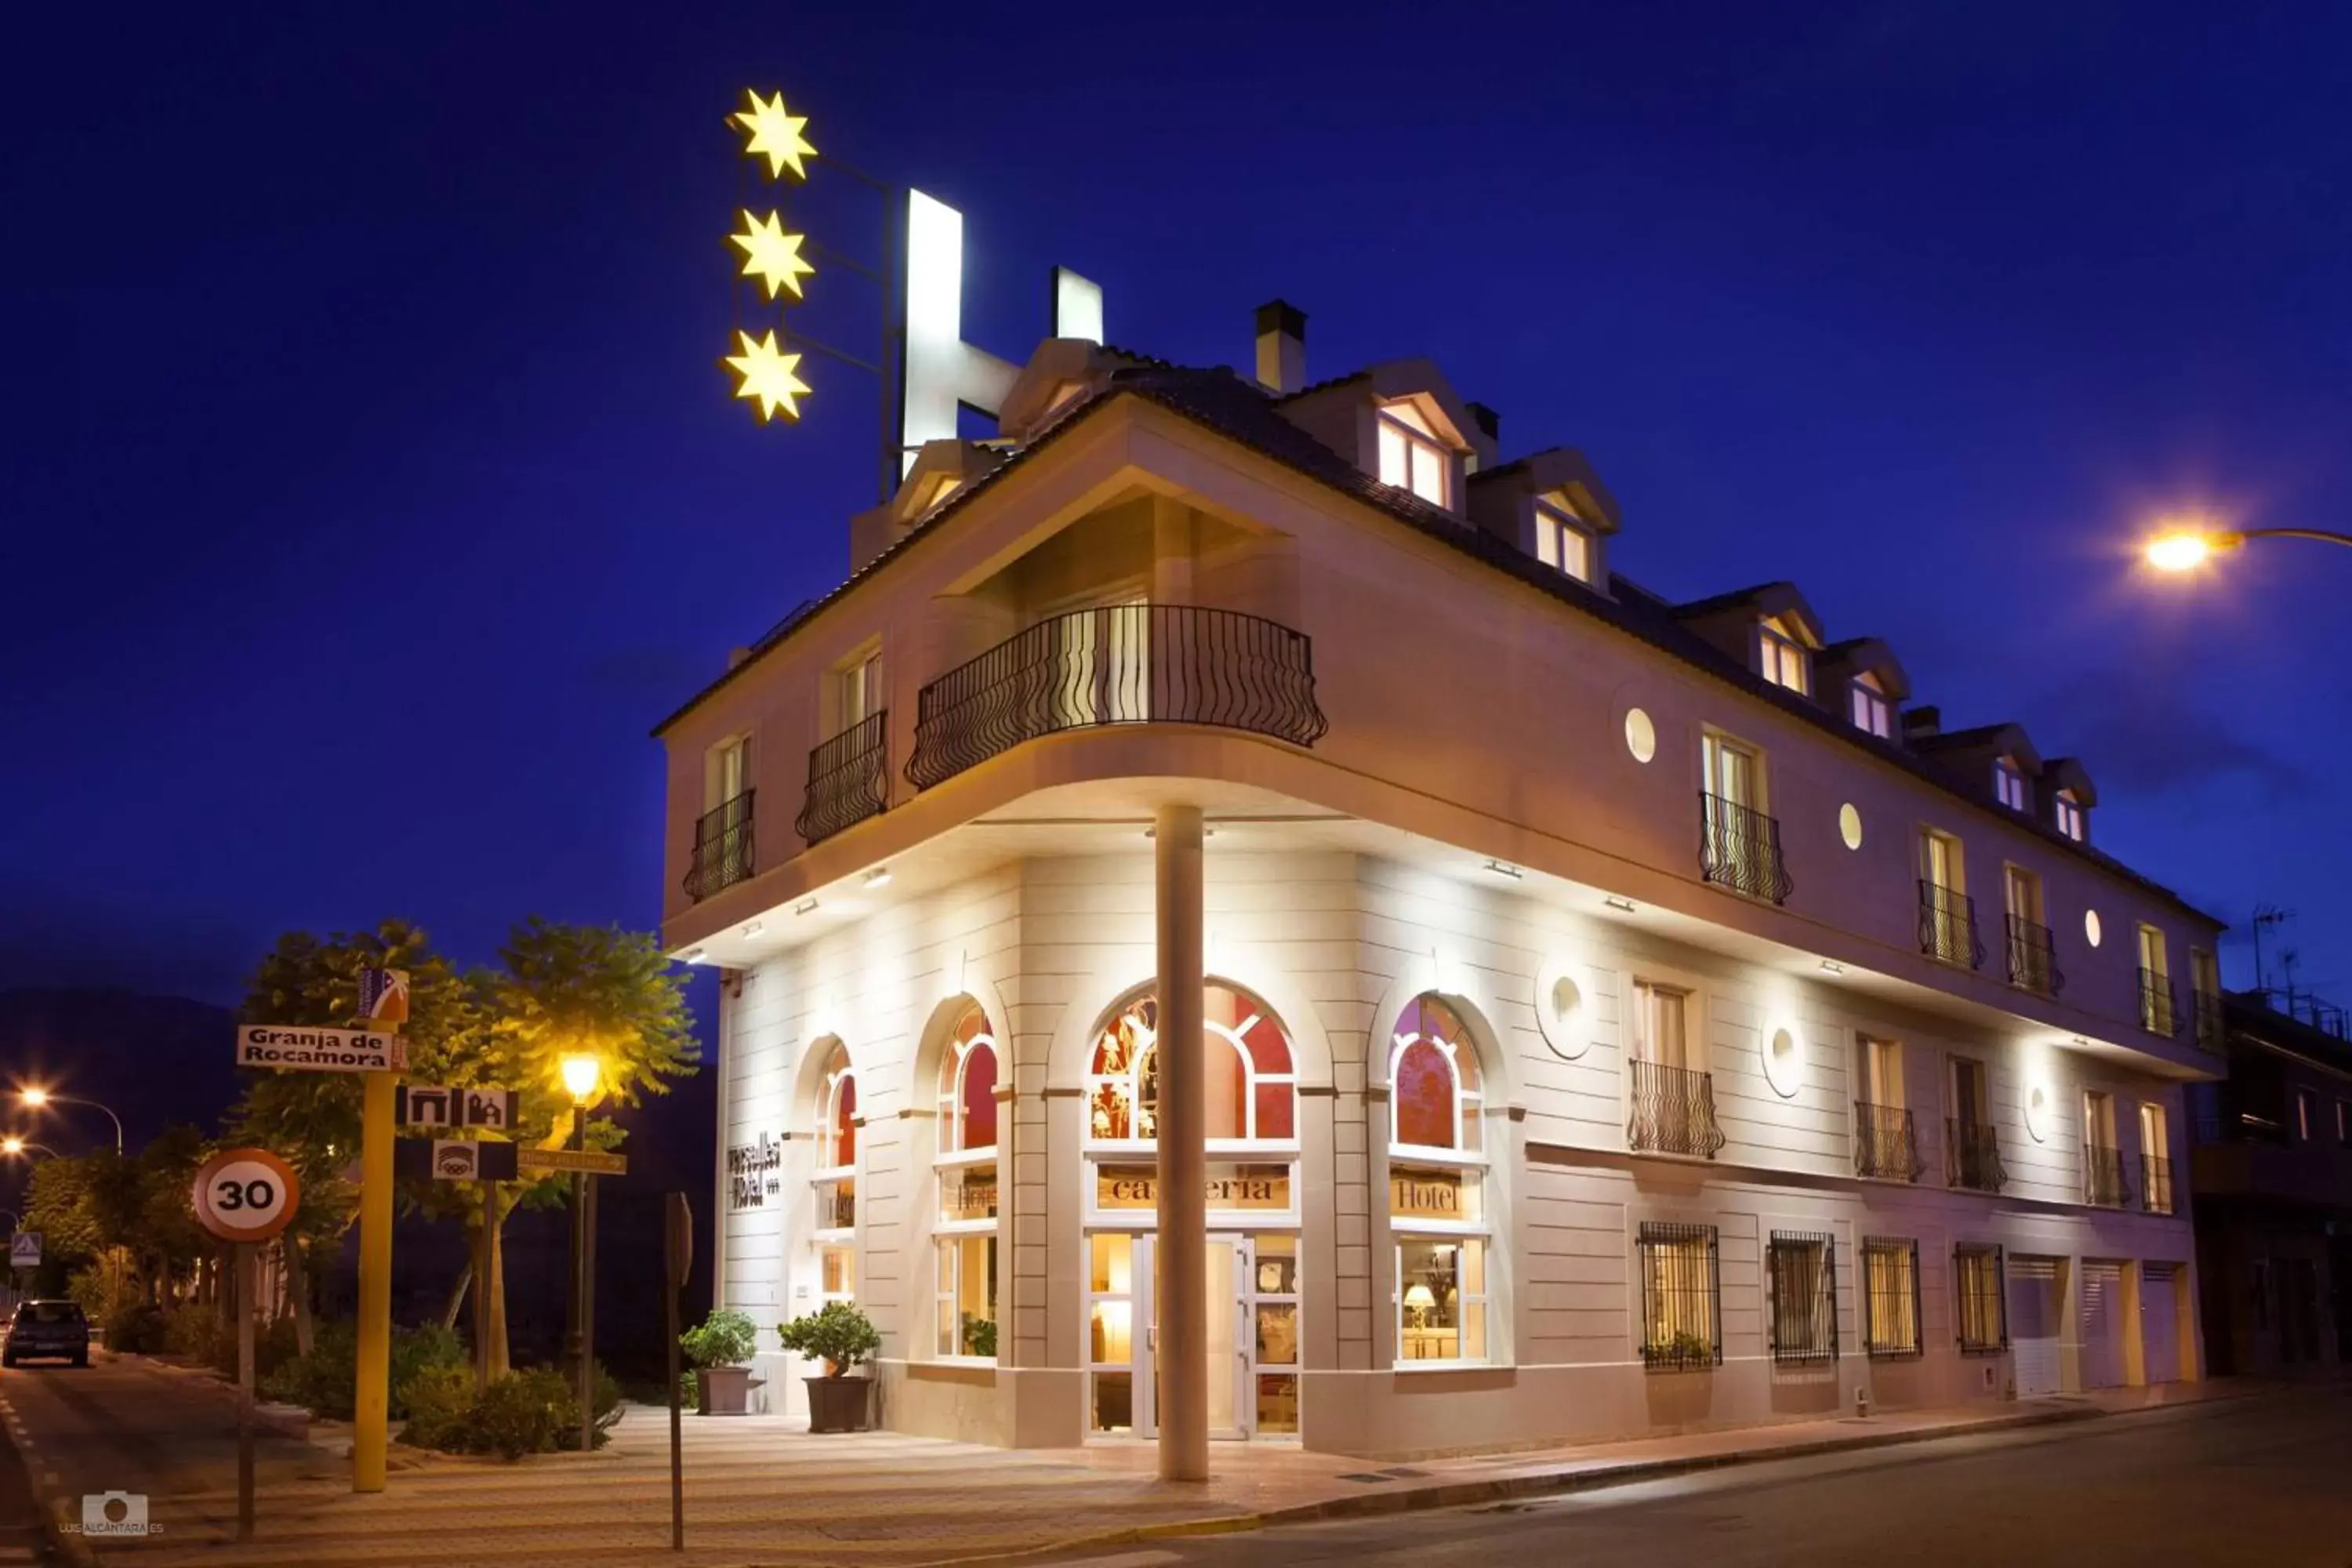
1245, 411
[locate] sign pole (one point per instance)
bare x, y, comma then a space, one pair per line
482, 1246
678, 1255
588, 1322
246, 1302
371, 1393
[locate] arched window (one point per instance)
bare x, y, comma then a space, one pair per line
964, 1233
835, 1180
1437, 1215
1253, 1085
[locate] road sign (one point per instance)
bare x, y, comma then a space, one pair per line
319, 1049
246, 1194
594, 1161
24, 1249
425, 1105
452, 1159
383, 996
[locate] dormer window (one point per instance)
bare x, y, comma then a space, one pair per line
1563, 541
1780, 655
1412, 457
2008, 783
1872, 711
2072, 820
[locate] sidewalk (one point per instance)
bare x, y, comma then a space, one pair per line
758, 1491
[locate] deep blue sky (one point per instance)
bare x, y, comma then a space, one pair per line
370, 485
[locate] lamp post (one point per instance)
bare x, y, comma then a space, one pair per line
33, 1097
13, 1144
2184, 547
580, 1074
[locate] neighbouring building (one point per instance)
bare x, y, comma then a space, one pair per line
2271, 1165
1619, 1016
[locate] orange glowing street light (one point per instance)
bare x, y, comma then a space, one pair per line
32, 1097
13, 1144
2185, 546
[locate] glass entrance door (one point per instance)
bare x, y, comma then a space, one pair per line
1251, 1302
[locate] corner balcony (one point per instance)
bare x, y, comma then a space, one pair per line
1124, 664
1673, 1113
1885, 1143
2156, 1184
2033, 958
1740, 848
2210, 1023
1972, 1156
849, 779
1947, 927
722, 848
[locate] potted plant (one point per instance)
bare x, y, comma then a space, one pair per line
840, 1337
719, 1348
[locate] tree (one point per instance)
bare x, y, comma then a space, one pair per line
312, 1119
576, 990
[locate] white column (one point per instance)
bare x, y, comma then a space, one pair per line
1182, 1259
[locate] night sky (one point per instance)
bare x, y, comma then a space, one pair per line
371, 485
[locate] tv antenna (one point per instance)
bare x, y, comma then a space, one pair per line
2267, 915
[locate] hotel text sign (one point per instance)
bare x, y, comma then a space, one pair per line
1230, 1187
1420, 1194
753, 1172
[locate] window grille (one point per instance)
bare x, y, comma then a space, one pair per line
1983, 1308
1890, 1287
1802, 1268
1682, 1308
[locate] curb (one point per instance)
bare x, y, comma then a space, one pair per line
1461, 1494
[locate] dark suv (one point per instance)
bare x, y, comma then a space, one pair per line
54, 1328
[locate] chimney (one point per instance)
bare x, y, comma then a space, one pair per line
1918, 723
1487, 420
1281, 346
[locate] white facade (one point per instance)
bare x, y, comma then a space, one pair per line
1857, 1149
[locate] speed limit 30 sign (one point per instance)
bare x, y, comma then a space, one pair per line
246, 1194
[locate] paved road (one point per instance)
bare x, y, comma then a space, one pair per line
2264, 1482
21, 1538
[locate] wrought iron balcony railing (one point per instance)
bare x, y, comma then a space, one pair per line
2156, 1184
849, 779
1948, 926
2206, 1009
1673, 1111
1124, 664
1972, 1156
2033, 958
722, 847
1740, 848
2159, 1013
2104, 1183
1885, 1142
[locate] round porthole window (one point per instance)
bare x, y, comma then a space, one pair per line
2091, 926
2037, 1113
1641, 735
1559, 1010
1784, 1067
1849, 825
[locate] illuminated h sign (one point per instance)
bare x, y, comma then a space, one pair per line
942, 370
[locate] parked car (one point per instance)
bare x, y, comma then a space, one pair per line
55, 1329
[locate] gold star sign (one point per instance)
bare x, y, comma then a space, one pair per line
770, 255
767, 374
776, 134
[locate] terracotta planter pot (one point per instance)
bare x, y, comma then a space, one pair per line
840, 1404
723, 1390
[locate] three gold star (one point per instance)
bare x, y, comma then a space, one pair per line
768, 375
770, 255
776, 135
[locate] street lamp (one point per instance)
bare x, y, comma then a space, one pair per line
13, 1144
34, 1097
2184, 547
579, 1073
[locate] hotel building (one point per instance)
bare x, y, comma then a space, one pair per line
1588, 1015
